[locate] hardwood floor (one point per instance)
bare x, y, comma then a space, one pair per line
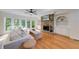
49, 41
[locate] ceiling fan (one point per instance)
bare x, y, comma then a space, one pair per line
31, 11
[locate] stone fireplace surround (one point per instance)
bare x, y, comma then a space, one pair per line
48, 25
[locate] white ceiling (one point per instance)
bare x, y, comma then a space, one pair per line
39, 12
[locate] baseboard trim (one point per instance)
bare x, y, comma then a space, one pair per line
62, 35
66, 36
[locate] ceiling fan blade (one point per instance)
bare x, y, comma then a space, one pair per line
31, 11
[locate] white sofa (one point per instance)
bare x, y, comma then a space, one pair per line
2, 40
15, 38
15, 44
36, 33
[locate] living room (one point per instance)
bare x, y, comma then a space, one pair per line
41, 28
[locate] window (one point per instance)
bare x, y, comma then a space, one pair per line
28, 24
33, 24
8, 24
23, 23
16, 23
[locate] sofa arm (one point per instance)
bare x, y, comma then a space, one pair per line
3, 39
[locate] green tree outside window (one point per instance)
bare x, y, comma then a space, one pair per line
23, 23
33, 24
16, 23
28, 24
8, 24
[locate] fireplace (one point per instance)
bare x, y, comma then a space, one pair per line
47, 23
46, 28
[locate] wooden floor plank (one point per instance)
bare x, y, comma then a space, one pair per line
49, 41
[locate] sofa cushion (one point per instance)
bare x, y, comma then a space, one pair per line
14, 35
21, 32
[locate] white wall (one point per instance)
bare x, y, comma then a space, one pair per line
61, 28
74, 24
72, 29
1, 25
